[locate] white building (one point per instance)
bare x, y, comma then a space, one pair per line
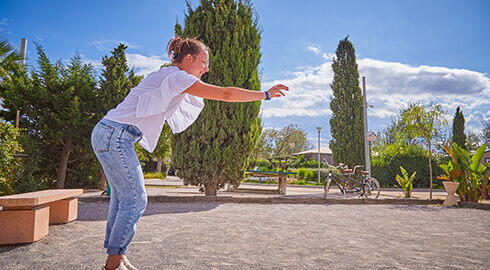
325, 153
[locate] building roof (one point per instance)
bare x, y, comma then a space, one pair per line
323, 150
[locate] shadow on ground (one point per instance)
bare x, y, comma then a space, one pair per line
97, 211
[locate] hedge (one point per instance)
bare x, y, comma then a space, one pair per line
386, 173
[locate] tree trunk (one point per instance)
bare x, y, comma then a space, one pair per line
65, 155
211, 188
159, 164
103, 181
430, 170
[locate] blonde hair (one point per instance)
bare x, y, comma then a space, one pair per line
178, 48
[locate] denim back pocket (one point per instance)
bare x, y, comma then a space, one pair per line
133, 132
101, 137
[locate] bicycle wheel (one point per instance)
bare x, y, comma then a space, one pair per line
371, 188
327, 186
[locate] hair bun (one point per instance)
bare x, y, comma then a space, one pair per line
177, 48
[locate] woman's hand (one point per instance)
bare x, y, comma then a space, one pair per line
277, 90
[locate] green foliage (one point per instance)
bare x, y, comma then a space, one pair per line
215, 149
405, 182
162, 151
386, 165
301, 162
155, 175
459, 137
467, 170
9, 146
274, 143
347, 122
57, 105
486, 131
301, 173
116, 80
424, 122
9, 59
309, 176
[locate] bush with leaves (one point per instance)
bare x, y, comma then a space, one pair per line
405, 182
8, 163
468, 171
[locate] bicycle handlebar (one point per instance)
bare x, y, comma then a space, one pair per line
342, 166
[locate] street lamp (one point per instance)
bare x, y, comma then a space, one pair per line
369, 136
319, 130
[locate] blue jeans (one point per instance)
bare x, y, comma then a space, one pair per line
113, 144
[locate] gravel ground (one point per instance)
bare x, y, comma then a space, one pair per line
271, 236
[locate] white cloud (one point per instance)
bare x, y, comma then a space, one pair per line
390, 87
144, 65
314, 49
109, 45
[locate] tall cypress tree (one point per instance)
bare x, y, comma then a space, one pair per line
458, 129
347, 122
215, 149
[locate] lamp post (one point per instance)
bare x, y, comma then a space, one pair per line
292, 148
319, 130
369, 136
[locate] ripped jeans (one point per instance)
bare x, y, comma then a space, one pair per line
113, 144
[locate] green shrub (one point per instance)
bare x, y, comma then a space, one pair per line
301, 173
155, 175
309, 176
386, 172
405, 182
8, 163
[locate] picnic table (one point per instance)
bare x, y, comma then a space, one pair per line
280, 176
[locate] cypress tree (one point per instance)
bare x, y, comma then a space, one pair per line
347, 122
458, 129
215, 149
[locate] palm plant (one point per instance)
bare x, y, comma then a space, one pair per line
9, 58
467, 170
405, 182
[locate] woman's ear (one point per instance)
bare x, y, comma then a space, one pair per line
189, 58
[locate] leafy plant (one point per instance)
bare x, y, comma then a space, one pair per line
467, 170
405, 182
309, 175
8, 163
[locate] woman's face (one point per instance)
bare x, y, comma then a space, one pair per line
199, 64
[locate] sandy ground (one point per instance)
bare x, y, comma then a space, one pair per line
271, 236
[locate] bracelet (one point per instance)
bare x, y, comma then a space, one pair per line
267, 96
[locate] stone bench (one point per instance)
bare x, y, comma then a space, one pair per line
25, 218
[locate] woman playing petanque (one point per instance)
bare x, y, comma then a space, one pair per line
173, 94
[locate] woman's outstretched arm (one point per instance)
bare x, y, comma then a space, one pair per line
233, 94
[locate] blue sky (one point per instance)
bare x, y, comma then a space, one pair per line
432, 50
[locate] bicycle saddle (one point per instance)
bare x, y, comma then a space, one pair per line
365, 172
347, 170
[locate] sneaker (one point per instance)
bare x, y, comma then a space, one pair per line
126, 263
120, 267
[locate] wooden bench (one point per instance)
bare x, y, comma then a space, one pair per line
280, 176
25, 218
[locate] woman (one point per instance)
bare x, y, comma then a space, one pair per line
173, 94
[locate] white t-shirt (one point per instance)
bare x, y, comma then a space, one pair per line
156, 99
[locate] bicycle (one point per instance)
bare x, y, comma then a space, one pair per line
367, 187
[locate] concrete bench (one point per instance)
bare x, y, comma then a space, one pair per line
25, 218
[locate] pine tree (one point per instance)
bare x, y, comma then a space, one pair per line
215, 149
347, 122
116, 80
458, 129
